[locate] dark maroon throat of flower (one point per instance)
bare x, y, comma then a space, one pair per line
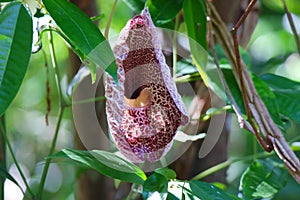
145, 112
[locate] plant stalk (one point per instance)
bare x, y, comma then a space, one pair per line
4, 135
60, 115
110, 19
2, 156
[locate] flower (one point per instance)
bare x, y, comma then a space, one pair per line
144, 110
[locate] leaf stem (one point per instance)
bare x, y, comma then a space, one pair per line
3, 130
60, 114
56, 70
52, 148
2, 156
110, 19
175, 46
226, 163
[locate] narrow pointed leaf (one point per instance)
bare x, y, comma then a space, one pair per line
195, 19
5, 174
15, 50
105, 163
86, 38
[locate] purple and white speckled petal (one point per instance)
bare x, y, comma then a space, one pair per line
145, 110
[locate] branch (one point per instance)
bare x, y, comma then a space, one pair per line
256, 109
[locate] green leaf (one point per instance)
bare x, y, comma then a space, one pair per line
262, 88
268, 98
136, 5
294, 6
263, 179
166, 172
85, 37
5, 174
163, 11
207, 191
171, 196
216, 85
155, 183
195, 19
15, 50
287, 94
105, 163
194, 12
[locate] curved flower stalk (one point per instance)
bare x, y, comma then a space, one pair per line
144, 110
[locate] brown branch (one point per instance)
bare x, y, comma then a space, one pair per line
255, 107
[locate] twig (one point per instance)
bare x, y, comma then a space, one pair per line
292, 24
110, 19
255, 107
242, 121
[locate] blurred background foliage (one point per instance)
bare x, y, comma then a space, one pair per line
272, 50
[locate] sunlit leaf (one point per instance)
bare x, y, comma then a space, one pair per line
263, 180
15, 50
87, 40
105, 163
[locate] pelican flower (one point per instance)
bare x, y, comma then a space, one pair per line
144, 110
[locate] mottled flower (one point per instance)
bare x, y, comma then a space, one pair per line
144, 110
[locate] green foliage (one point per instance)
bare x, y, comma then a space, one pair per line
268, 98
287, 94
196, 30
195, 19
207, 191
263, 179
85, 37
155, 183
163, 11
4, 173
136, 5
105, 163
294, 6
15, 50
